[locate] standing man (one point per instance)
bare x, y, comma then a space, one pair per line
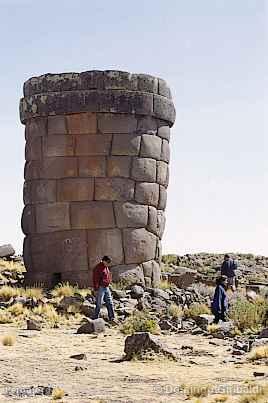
101, 280
228, 268
219, 305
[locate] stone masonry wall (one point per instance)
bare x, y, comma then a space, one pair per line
96, 174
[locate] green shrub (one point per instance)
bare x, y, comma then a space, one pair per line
139, 322
249, 315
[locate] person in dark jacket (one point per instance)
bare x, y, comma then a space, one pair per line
228, 268
101, 280
219, 305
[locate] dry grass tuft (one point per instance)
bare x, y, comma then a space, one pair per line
17, 309
64, 290
7, 292
49, 313
249, 315
140, 322
220, 399
5, 317
196, 309
175, 311
33, 292
164, 285
8, 340
213, 328
196, 390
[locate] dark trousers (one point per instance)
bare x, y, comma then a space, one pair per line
219, 316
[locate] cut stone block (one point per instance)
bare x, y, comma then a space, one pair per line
94, 144
164, 132
147, 125
43, 191
92, 215
144, 169
131, 273
119, 166
82, 123
162, 176
162, 198
151, 146
126, 144
165, 153
28, 220
57, 125
114, 189
52, 217
56, 168
92, 166
36, 127
139, 245
58, 146
130, 215
147, 193
116, 123
105, 242
33, 149
75, 189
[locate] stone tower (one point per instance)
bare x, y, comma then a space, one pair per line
96, 174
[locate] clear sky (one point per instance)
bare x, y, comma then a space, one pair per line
213, 54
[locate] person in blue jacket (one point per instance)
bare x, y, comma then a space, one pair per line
219, 306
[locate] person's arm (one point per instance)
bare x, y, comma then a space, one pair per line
106, 277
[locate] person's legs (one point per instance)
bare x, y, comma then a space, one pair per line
217, 318
99, 301
231, 283
109, 303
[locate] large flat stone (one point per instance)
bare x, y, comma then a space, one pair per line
162, 176
92, 215
139, 245
43, 191
151, 146
165, 152
126, 144
119, 166
75, 189
94, 144
114, 189
164, 132
130, 215
162, 198
56, 168
92, 166
147, 125
143, 169
52, 217
147, 193
116, 123
156, 222
105, 242
131, 273
82, 123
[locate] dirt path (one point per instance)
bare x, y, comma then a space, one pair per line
43, 358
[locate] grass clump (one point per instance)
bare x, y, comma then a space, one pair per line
249, 315
8, 340
48, 312
7, 292
63, 290
220, 399
139, 322
17, 309
34, 292
57, 394
258, 353
164, 285
196, 391
169, 259
196, 309
5, 317
175, 311
213, 328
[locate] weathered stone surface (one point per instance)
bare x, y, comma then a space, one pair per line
119, 166
164, 132
56, 168
165, 152
35, 128
139, 245
92, 215
111, 123
156, 275
147, 193
33, 149
28, 220
96, 153
183, 278
162, 176
156, 222
126, 144
264, 333
93, 144
131, 273
162, 198
147, 125
82, 123
139, 343
6, 250
92, 166
92, 326
58, 146
204, 320
52, 217
151, 146
105, 242
75, 189
144, 169
56, 125
130, 215
114, 189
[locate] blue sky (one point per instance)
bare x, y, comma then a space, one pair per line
213, 53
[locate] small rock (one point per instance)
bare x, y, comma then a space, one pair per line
251, 296
79, 368
92, 326
241, 345
258, 373
81, 356
6, 250
238, 352
33, 325
204, 320
136, 292
158, 293
264, 333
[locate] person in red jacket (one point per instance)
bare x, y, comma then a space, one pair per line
101, 280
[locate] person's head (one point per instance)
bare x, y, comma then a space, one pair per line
222, 280
227, 257
106, 260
